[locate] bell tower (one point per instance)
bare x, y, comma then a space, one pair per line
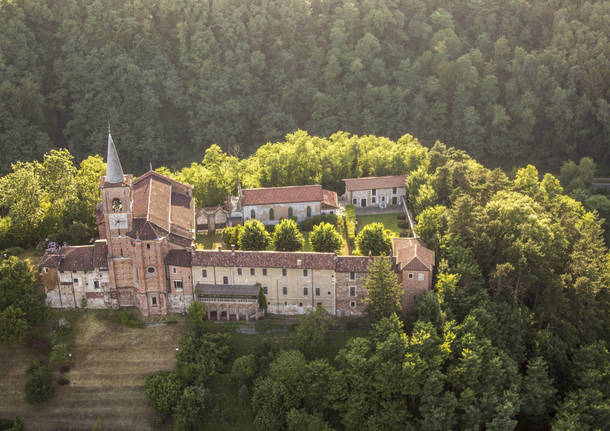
116, 195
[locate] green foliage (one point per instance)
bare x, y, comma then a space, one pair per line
310, 333
383, 290
17, 424
59, 354
244, 370
230, 235
254, 236
128, 319
325, 238
196, 317
374, 239
200, 356
308, 224
300, 420
39, 384
164, 389
21, 299
191, 408
538, 393
286, 236
262, 299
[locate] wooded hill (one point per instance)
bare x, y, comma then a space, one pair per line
508, 81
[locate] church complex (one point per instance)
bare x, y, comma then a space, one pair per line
145, 255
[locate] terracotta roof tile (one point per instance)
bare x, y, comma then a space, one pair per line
330, 199
407, 249
77, 258
178, 258
100, 254
264, 259
50, 260
367, 183
353, 263
280, 195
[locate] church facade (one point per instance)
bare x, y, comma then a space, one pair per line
145, 258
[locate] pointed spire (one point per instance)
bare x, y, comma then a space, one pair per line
114, 171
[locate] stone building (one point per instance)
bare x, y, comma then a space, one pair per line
375, 191
145, 257
211, 218
414, 263
270, 205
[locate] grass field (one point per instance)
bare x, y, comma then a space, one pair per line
389, 220
110, 365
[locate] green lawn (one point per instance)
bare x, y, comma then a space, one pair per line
389, 220
207, 241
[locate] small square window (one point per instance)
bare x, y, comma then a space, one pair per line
225, 280
305, 291
264, 271
174, 270
317, 291
204, 273
284, 272
154, 301
352, 275
352, 304
354, 201
304, 273
420, 276
410, 276
352, 291
252, 272
265, 290
96, 284
238, 271
284, 291
76, 281
178, 284
394, 191
147, 246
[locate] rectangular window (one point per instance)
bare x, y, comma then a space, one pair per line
394, 191
317, 291
96, 284
154, 301
252, 272
383, 199
410, 276
264, 271
354, 201
238, 271
374, 200
420, 276
178, 284
304, 273
374, 192
174, 269
225, 280
352, 291
265, 290
204, 273
305, 291
76, 281
352, 275
284, 272
284, 291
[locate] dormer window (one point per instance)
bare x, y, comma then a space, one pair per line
117, 205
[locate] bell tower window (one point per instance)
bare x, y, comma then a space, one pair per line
117, 205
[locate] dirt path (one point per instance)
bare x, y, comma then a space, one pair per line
110, 366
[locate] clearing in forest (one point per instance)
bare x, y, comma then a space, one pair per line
109, 368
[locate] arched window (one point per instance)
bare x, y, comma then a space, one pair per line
252, 214
290, 212
271, 214
308, 211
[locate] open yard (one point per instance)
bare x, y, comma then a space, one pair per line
389, 220
109, 369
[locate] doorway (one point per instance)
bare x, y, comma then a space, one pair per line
363, 203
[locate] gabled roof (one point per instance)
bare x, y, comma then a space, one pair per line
78, 258
353, 263
412, 254
263, 259
290, 194
165, 203
367, 183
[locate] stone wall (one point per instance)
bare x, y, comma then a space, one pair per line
299, 210
348, 305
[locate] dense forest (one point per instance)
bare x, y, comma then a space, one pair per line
509, 81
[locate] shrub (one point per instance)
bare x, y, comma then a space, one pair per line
39, 384
244, 370
308, 224
254, 236
325, 238
403, 224
374, 239
196, 317
13, 251
401, 216
164, 389
129, 320
5, 424
59, 354
286, 236
191, 408
230, 235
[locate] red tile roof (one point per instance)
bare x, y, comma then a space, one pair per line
412, 253
353, 263
282, 195
368, 183
78, 258
178, 258
166, 203
263, 259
